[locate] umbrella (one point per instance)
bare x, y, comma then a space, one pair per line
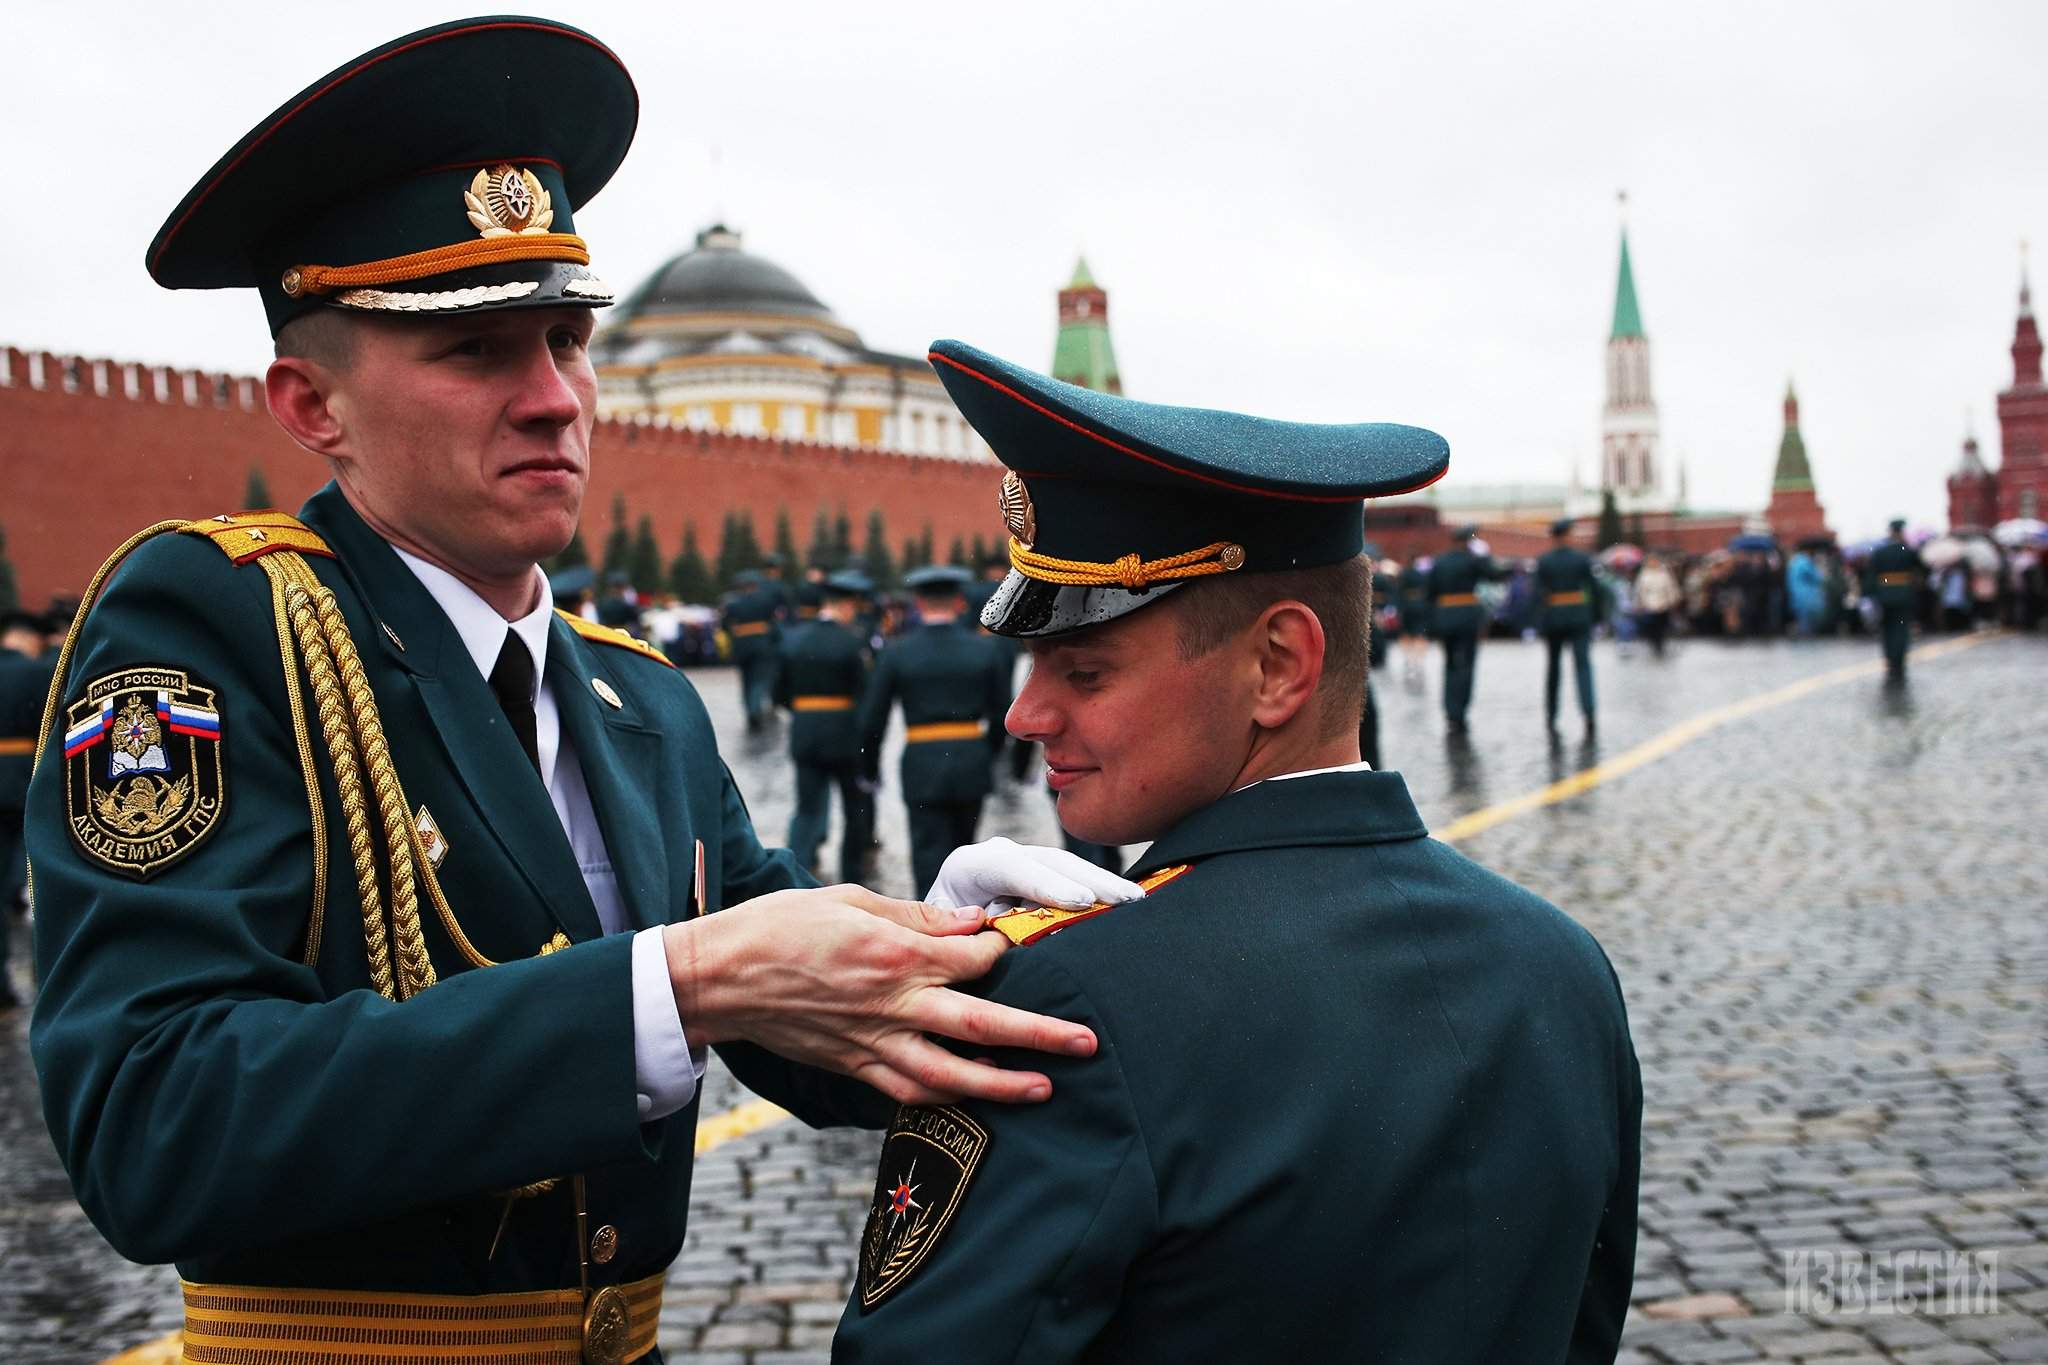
567, 583
2020, 531
1982, 555
1622, 556
1941, 552
1753, 542
1920, 535
1861, 549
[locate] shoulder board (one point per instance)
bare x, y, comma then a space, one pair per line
251, 535
605, 635
1030, 923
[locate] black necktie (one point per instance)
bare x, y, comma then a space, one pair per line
512, 681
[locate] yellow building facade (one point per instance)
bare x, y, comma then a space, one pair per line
720, 339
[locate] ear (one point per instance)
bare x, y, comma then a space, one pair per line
301, 394
1288, 639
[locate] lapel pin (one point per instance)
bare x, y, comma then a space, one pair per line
394, 637
432, 842
604, 689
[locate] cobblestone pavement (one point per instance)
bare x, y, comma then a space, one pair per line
1828, 920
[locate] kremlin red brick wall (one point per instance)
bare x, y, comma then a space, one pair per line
94, 450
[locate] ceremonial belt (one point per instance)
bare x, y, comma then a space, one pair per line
236, 1323
1895, 580
742, 629
1568, 599
821, 704
1458, 599
17, 748
945, 729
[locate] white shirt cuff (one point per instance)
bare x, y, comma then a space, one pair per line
666, 1068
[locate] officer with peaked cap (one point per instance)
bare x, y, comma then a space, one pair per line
820, 678
954, 685
371, 893
24, 680
1357, 1097
1892, 579
752, 618
1567, 605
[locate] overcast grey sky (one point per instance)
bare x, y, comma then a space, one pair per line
1339, 213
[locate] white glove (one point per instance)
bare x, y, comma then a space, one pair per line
1000, 874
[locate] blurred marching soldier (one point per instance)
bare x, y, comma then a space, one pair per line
1567, 605
384, 913
752, 618
823, 672
1892, 579
1415, 627
1457, 619
24, 683
954, 687
1357, 1096
810, 594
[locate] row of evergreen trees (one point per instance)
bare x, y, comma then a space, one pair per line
691, 578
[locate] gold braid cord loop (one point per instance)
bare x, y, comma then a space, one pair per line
1128, 571
419, 265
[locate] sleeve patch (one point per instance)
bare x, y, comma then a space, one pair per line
144, 781
929, 1158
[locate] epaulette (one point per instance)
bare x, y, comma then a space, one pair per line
606, 635
1030, 923
248, 536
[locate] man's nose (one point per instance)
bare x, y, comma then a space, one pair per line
1031, 716
545, 394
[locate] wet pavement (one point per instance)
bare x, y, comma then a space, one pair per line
1826, 915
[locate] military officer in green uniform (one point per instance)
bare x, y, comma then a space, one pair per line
1457, 618
24, 681
752, 618
371, 893
1892, 579
820, 679
1567, 605
954, 686
1357, 1097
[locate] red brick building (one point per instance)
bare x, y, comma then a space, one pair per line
1972, 491
1794, 512
2023, 422
93, 450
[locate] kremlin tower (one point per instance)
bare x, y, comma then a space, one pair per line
2023, 420
1972, 490
1629, 463
1795, 512
1083, 355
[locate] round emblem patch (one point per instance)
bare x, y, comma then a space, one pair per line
143, 778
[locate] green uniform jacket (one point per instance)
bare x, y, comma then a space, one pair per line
1453, 584
1414, 601
1567, 592
221, 1102
1904, 568
823, 659
763, 605
24, 683
1356, 1098
944, 672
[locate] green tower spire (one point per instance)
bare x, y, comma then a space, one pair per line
1628, 318
1793, 475
1082, 354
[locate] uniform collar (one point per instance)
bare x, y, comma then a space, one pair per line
477, 622
1344, 806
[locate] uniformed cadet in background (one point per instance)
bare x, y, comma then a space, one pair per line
1357, 1098
821, 676
24, 682
752, 616
810, 594
1892, 579
370, 892
1415, 626
954, 685
1567, 605
1457, 618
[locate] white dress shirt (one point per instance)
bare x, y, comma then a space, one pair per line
665, 1069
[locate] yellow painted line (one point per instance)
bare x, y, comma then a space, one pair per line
737, 1122
1680, 735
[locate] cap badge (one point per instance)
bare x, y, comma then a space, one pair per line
1018, 514
506, 201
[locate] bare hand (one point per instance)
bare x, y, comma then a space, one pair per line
844, 979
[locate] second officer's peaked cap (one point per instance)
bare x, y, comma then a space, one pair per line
1111, 503
439, 173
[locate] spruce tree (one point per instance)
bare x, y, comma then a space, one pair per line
957, 556
618, 542
573, 555
727, 562
842, 539
819, 555
10, 595
256, 493
643, 564
980, 553
924, 545
1610, 521
785, 542
689, 578
910, 560
875, 557
749, 547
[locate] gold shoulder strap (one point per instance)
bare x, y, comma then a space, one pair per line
605, 635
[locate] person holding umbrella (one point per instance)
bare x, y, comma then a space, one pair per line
1892, 579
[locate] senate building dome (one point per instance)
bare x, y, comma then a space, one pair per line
721, 339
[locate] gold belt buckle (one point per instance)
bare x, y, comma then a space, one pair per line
607, 1328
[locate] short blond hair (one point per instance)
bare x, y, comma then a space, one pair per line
1214, 609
